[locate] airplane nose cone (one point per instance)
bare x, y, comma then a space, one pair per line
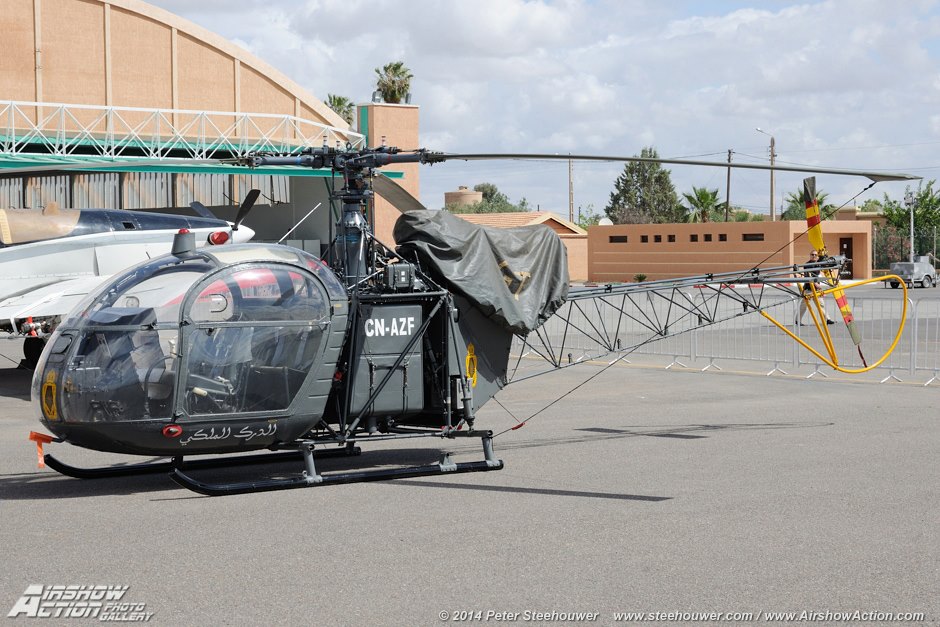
243, 234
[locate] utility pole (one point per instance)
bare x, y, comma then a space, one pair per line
909, 201
773, 155
570, 193
728, 187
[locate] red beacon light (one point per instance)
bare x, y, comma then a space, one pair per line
184, 243
218, 237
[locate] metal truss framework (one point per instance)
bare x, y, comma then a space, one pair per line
597, 322
29, 128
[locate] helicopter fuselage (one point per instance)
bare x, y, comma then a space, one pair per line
256, 346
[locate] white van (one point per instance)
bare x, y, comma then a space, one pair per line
920, 272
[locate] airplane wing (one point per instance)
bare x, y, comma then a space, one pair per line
49, 301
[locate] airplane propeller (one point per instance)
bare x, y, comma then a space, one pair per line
245, 207
247, 204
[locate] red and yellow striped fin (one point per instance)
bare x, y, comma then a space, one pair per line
843, 304
814, 233
813, 219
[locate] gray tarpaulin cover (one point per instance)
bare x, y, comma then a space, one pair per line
518, 276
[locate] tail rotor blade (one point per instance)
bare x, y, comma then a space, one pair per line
813, 219
847, 316
814, 233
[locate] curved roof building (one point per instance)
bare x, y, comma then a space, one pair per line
127, 53
88, 80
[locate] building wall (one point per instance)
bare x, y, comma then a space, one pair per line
126, 53
617, 253
577, 246
18, 61
398, 124
134, 37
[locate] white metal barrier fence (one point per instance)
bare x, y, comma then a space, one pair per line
753, 338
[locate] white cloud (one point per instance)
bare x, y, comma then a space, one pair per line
844, 83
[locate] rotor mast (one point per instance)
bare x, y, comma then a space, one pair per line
353, 232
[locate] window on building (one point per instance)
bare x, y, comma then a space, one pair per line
752, 237
617, 239
708, 237
645, 239
658, 238
722, 237
693, 238
671, 238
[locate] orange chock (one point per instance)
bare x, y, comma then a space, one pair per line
40, 439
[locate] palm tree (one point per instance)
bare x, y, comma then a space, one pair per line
342, 106
796, 206
702, 204
394, 81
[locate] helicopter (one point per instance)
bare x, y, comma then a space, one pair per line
254, 347
51, 258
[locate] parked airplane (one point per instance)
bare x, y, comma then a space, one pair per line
52, 258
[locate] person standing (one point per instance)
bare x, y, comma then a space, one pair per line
807, 291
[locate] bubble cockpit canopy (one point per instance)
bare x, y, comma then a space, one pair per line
234, 331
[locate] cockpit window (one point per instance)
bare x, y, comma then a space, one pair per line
178, 338
126, 337
255, 336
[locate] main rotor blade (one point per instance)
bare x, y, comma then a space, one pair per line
96, 166
874, 176
397, 195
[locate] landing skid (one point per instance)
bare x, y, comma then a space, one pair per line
192, 464
310, 477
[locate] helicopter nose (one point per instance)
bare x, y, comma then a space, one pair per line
243, 234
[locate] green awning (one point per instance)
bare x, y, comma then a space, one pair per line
59, 164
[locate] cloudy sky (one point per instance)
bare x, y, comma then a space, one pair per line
840, 83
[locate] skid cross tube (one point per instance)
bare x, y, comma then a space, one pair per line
312, 478
103, 472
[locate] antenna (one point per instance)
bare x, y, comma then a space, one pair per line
293, 228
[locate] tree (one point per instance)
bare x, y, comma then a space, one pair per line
743, 215
494, 201
587, 217
341, 106
926, 217
394, 81
644, 193
796, 206
702, 205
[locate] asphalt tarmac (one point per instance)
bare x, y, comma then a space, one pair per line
642, 491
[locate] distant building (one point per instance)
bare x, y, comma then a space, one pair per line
663, 251
463, 197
